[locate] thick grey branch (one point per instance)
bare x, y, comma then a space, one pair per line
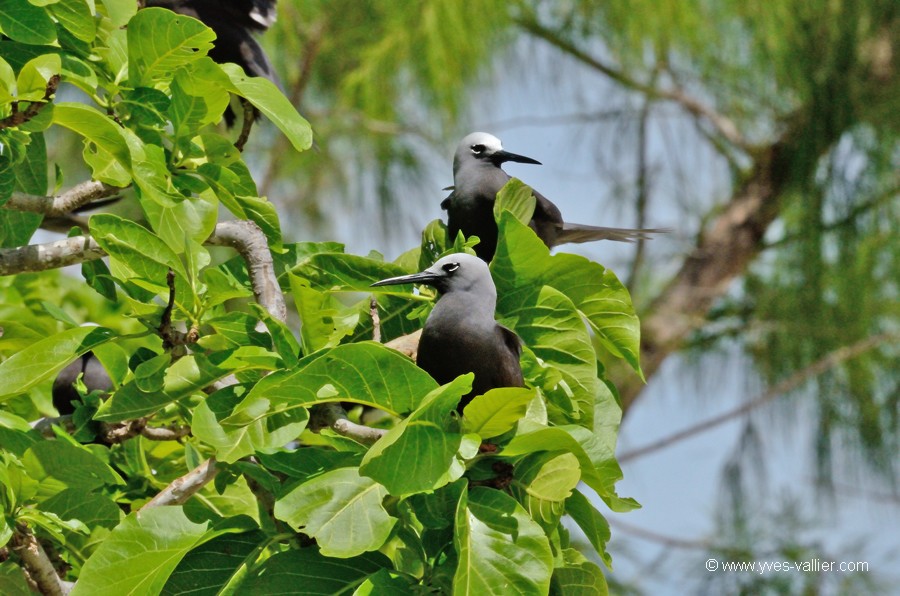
37, 563
74, 198
52, 255
249, 240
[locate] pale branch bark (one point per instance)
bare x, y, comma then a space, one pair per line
115, 432
376, 320
249, 240
406, 344
51, 255
76, 197
181, 489
37, 563
793, 381
333, 416
721, 123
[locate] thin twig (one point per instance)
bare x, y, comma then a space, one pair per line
246, 124
17, 118
333, 416
376, 320
792, 382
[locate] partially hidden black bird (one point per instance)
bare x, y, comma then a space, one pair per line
461, 335
478, 177
95, 378
234, 22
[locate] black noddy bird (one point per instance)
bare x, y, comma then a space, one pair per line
478, 177
461, 335
234, 22
95, 378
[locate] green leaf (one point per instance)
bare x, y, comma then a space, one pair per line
542, 482
12, 577
89, 507
57, 465
497, 411
22, 21
119, 12
160, 41
341, 510
32, 79
419, 454
517, 198
105, 148
307, 570
76, 17
591, 522
366, 373
45, 358
523, 263
141, 257
124, 564
185, 377
269, 100
257, 430
208, 568
578, 577
501, 550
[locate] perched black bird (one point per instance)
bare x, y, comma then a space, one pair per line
95, 379
235, 22
477, 177
461, 335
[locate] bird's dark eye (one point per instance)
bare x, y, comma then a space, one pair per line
477, 149
450, 267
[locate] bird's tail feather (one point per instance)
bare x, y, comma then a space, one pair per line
578, 233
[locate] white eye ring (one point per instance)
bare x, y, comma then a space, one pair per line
450, 267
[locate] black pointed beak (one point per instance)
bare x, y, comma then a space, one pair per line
425, 277
503, 156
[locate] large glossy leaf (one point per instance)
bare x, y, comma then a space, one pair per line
45, 358
365, 373
306, 571
257, 430
496, 411
523, 263
578, 577
186, 376
269, 100
342, 510
76, 17
140, 554
27, 23
542, 482
105, 148
501, 550
208, 568
591, 522
419, 454
160, 41
57, 465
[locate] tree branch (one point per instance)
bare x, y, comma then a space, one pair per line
795, 380
76, 197
181, 489
723, 125
249, 240
37, 563
333, 416
17, 118
52, 255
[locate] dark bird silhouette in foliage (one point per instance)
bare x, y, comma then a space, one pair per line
234, 22
461, 335
477, 177
95, 378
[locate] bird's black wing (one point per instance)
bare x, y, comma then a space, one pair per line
547, 219
508, 372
